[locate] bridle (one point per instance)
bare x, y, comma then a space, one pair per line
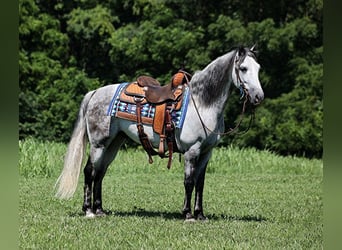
243, 94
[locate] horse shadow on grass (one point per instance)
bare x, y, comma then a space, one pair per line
143, 213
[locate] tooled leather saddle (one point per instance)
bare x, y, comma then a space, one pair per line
165, 99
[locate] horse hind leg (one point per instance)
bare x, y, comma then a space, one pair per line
95, 170
92, 170
88, 182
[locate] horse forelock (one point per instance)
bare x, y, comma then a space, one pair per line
243, 52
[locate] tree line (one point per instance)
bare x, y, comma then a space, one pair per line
67, 48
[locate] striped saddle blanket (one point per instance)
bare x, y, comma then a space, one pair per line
124, 107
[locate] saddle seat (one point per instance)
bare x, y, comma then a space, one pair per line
145, 81
155, 93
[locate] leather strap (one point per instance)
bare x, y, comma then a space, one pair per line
167, 135
145, 142
169, 129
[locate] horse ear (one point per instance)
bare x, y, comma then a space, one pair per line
254, 50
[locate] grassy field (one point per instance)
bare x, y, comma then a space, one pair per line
253, 199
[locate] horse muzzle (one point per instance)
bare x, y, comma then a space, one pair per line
256, 97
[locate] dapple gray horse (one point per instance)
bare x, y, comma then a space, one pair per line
204, 121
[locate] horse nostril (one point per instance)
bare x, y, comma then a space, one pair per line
259, 98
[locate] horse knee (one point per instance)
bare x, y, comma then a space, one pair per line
188, 182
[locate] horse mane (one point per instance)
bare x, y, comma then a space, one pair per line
213, 81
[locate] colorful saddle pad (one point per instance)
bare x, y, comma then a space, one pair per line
127, 110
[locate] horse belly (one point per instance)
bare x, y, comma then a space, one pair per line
130, 129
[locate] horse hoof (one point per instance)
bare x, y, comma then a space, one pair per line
190, 220
189, 217
202, 218
89, 214
100, 213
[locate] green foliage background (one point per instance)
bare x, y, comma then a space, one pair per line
67, 48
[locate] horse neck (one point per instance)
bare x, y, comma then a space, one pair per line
210, 86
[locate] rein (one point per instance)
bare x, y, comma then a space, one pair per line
231, 130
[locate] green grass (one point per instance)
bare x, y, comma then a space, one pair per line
253, 199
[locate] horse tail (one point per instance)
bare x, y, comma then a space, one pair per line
68, 180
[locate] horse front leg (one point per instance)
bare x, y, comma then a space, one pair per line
198, 213
199, 185
190, 158
189, 184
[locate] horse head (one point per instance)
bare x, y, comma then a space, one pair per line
245, 74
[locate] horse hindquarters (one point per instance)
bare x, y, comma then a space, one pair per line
105, 140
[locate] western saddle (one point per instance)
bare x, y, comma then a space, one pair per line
165, 99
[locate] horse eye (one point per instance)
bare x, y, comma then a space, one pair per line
243, 69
